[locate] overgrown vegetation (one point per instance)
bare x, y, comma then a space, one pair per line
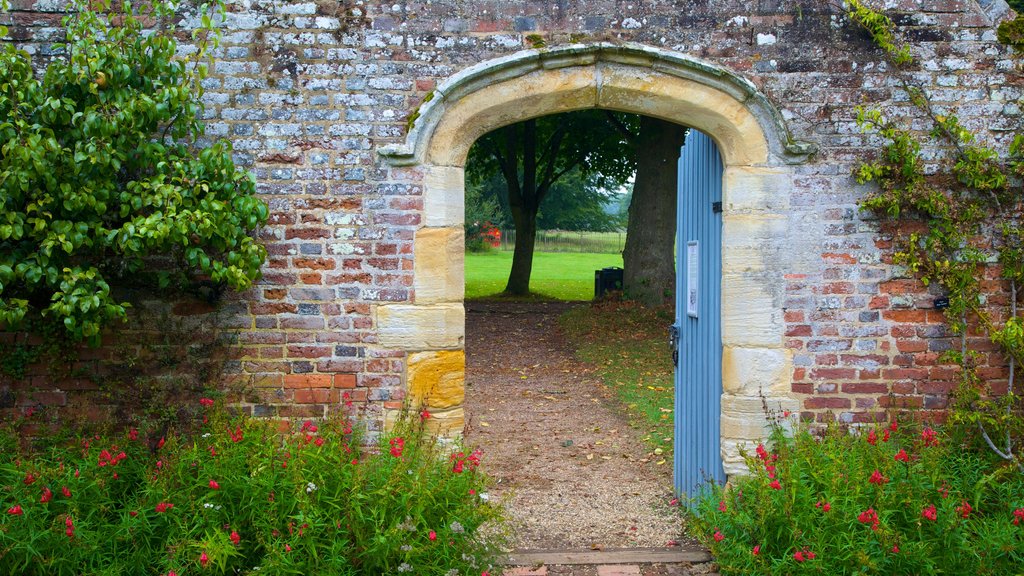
956, 224
626, 343
240, 498
102, 188
894, 499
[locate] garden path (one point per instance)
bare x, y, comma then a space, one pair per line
575, 475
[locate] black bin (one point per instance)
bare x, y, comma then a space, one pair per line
607, 280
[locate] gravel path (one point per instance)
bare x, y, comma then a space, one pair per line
574, 472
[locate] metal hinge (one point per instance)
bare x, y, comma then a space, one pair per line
716, 207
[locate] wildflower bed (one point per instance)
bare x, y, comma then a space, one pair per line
896, 499
241, 498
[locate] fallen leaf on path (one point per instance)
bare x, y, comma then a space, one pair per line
484, 424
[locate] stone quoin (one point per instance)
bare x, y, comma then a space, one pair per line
356, 118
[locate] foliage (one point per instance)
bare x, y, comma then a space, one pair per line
895, 500
558, 276
100, 187
242, 499
531, 156
956, 224
626, 343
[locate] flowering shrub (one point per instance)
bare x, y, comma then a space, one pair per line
896, 499
240, 498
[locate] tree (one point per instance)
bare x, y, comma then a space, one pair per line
100, 185
533, 155
649, 261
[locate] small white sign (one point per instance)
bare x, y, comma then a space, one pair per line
692, 277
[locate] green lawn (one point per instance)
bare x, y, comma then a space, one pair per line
561, 276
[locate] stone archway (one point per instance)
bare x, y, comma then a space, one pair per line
758, 154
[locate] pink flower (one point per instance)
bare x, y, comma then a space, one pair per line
204, 559
902, 456
775, 485
929, 512
432, 536
214, 485
207, 402
718, 536
15, 510
756, 551
235, 538
877, 478
46, 497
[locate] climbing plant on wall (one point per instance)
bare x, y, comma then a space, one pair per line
102, 185
956, 223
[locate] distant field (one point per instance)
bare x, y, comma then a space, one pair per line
562, 275
564, 241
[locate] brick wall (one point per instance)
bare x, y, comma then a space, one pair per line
308, 91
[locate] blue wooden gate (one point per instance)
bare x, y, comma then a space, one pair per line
698, 327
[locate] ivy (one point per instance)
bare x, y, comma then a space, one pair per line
102, 186
956, 224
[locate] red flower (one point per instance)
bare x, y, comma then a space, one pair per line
204, 559
133, 434
319, 441
895, 549
872, 438
824, 506
133, 513
1018, 516
160, 444
235, 538
46, 497
929, 437
885, 435
237, 435
214, 485
902, 456
877, 478
69, 527
775, 485
761, 452
397, 446
799, 556
65, 492
929, 512
869, 516
424, 415
721, 506
894, 426
29, 478
164, 506
718, 536
432, 536
15, 510
308, 426
964, 509
757, 550
207, 402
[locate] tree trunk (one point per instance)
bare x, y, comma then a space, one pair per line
649, 255
522, 258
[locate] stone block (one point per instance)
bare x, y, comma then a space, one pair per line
756, 189
416, 328
444, 196
750, 315
436, 380
751, 242
439, 265
749, 371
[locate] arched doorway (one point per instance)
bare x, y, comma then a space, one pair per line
757, 156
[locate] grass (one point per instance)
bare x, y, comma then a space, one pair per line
559, 276
567, 241
627, 343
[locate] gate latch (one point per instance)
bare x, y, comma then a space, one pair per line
673, 343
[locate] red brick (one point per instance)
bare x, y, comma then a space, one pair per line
904, 374
833, 373
799, 330
308, 380
865, 388
905, 316
820, 402
312, 396
314, 263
